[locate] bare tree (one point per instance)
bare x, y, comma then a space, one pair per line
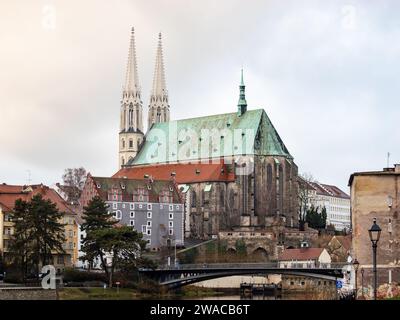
74, 181
304, 196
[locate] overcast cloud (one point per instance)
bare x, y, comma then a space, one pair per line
326, 74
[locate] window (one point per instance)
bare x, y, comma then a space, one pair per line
118, 214
132, 205
123, 144
60, 259
149, 241
171, 232
194, 200
148, 232
149, 206
71, 233
149, 215
115, 205
171, 207
132, 223
130, 143
171, 215
171, 224
123, 205
149, 223
132, 214
143, 229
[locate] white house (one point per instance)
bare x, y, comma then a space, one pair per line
304, 258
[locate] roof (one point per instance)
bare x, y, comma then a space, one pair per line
329, 190
4, 208
301, 254
9, 194
229, 135
128, 187
184, 173
385, 172
345, 241
324, 189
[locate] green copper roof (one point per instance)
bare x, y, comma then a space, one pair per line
216, 136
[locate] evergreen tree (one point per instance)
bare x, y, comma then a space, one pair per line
37, 233
125, 246
96, 217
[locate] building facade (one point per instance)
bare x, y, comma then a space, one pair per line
304, 258
152, 207
376, 194
336, 202
10, 193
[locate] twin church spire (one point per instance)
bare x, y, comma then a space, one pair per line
131, 123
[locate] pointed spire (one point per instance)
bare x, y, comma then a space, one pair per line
159, 87
132, 78
242, 104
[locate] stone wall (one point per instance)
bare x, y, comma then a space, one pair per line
318, 288
266, 192
27, 294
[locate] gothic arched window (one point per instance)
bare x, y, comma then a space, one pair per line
130, 143
280, 190
194, 200
222, 198
269, 178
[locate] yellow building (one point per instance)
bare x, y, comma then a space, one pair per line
8, 196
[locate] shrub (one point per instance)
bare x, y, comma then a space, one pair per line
73, 275
13, 277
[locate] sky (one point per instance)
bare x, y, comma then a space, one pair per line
325, 73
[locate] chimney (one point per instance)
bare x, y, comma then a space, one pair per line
397, 168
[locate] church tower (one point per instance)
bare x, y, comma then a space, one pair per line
158, 107
131, 123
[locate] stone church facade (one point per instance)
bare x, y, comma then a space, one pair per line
233, 169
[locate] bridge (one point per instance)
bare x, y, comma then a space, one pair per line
185, 274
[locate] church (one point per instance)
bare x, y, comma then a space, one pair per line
233, 169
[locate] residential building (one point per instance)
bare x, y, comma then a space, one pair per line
336, 202
10, 193
152, 207
376, 194
304, 258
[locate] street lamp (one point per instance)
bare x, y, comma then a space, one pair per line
362, 282
356, 264
374, 235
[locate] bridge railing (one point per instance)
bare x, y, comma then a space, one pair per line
267, 265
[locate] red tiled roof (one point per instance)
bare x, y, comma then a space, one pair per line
9, 194
5, 188
300, 254
5, 208
185, 173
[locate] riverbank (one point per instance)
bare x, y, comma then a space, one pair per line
133, 294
